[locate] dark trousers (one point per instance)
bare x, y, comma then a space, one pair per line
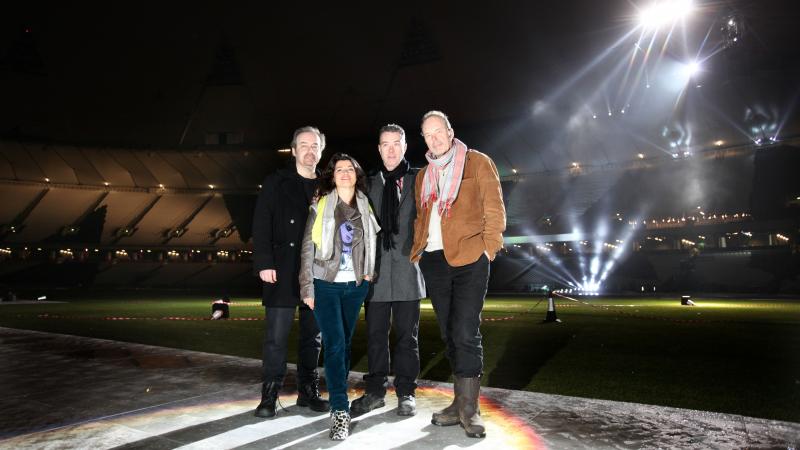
276, 337
336, 307
403, 317
457, 295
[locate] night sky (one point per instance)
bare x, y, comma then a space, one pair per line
516, 78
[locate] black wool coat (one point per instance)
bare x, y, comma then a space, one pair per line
278, 226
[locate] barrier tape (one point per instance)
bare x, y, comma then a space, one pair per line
484, 319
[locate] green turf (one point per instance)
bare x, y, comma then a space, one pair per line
734, 356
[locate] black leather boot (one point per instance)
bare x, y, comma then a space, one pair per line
269, 395
308, 395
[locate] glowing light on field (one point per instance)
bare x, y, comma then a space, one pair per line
505, 428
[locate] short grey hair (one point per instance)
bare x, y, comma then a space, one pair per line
439, 114
308, 129
392, 128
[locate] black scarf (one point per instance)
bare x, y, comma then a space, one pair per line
390, 202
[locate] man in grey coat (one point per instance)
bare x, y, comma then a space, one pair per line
399, 286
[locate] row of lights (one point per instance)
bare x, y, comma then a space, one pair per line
686, 153
703, 216
575, 165
160, 185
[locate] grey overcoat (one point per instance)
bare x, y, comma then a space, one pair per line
398, 278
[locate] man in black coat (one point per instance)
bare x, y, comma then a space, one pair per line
278, 226
399, 286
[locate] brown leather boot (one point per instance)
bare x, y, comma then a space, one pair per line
468, 391
448, 416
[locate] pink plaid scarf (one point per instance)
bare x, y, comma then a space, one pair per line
452, 163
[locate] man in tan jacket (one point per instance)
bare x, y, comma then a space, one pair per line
457, 232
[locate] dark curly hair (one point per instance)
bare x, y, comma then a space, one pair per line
326, 181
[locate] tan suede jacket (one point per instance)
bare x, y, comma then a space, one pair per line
477, 218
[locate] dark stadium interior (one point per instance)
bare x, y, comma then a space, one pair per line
647, 294
132, 144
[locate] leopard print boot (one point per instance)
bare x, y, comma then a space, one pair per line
340, 425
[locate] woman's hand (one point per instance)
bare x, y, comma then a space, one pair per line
309, 302
367, 278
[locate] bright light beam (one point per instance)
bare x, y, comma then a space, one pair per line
691, 69
664, 12
581, 73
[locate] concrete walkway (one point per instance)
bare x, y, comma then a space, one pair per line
63, 391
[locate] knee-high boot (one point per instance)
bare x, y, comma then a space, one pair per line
468, 391
449, 416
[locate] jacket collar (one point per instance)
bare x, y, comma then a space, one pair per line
289, 170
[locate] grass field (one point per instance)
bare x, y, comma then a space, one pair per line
725, 355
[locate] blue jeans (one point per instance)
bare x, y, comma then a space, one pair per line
336, 307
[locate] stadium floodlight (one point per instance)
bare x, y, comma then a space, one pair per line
590, 287
664, 12
690, 69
